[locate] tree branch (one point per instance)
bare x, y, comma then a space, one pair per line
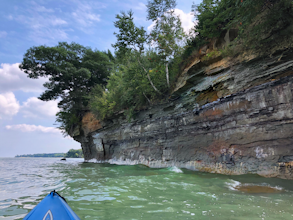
149, 78
146, 97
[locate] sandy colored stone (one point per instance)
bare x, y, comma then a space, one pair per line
90, 123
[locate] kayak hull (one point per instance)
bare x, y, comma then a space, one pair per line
52, 207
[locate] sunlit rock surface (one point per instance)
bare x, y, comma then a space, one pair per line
225, 117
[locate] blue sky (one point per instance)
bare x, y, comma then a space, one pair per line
27, 125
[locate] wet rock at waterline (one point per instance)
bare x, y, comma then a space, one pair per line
257, 189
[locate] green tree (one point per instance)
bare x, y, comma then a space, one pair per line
72, 153
256, 21
165, 38
128, 89
143, 64
158, 8
131, 39
214, 16
167, 34
263, 20
72, 71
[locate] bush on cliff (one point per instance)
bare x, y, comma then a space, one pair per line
257, 21
128, 88
142, 76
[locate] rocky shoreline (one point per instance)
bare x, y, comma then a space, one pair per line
227, 118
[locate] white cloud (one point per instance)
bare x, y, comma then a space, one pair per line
10, 17
33, 128
47, 35
151, 26
3, 34
186, 20
84, 18
39, 20
9, 106
84, 14
35, 107
12, 79
44, 26
140, 6
48, 25
58, 21
134, 5
41, 8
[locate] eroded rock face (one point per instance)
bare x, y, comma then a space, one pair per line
248, 129
90, 123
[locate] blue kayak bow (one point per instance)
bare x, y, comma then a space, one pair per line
52, 207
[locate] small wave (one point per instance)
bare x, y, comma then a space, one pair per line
253, 188
232, 185
175, 169
207, 194
278, 188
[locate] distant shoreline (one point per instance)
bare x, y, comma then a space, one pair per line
72, 153
42, 155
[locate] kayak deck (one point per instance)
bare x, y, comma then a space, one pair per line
52, 207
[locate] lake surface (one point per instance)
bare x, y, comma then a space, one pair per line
108, 192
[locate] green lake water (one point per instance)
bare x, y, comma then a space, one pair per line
108, 192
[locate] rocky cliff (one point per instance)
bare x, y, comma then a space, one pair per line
224, 116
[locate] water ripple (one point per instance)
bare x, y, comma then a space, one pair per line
104, 191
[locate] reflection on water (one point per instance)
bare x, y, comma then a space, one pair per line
103, 191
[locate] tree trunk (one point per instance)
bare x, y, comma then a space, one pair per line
152, 84
146, 97
149, 78
167, 75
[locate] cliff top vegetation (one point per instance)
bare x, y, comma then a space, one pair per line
145, 66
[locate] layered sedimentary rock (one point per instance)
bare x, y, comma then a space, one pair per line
225, 117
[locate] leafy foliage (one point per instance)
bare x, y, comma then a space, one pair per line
275, 16
216, 16
70, 68
167, 34
142, 74
74, 153
72, 71
157, 8
128, 88
130, 37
